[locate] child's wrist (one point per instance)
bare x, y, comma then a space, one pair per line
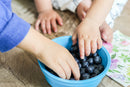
92, 21
44, 10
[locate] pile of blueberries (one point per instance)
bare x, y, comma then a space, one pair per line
89, 67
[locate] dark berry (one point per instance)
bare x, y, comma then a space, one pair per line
95, 54
96, 71
95, 66
51, 71
72, 79
74, 55
86, 57
90, 55
90, 60
90, 69
93, 75
85, 64
79, 65
82, 60
76, 59
74, 48
82, 70
97, 60
85, 76
100, 68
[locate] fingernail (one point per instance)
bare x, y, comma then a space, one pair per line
44, 32
105, 37
82, 57
61, 23
56, 30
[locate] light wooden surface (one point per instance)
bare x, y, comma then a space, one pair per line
20, 69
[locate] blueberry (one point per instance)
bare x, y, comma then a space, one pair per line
79, 65
95, 66
90, 60
72, 79
74, 55
97, 60
82, 60
90, 69
76, 59
51, 71
86, 57
93, 75
100, 68
78, 55
82, 70
90, 55
74, 48
85, 76
85, 64
96, 71
95, 54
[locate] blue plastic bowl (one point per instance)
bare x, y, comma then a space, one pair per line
55, 81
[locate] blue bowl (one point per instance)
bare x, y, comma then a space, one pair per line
55, 81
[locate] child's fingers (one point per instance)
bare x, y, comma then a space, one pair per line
59, 20
74, 38
93, 46
87, 47
74, 68
59, 70
99, 43
43, 27
37, 24
66, 68
83, 15
48, 26
81, 47
54, 25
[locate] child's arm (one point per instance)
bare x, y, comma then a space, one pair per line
51, 54
88, 31
47, 16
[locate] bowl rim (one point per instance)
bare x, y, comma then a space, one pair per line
42, 67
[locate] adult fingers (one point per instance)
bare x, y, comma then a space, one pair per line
74, 68
66, 68
59, 70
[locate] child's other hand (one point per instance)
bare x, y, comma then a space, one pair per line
82, 8
89, 38
48, 19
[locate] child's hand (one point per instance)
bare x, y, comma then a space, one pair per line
89, 38
48, 19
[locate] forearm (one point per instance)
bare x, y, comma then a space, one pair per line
99, 11
43, 5
35, 43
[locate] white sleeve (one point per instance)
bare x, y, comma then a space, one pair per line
115, 11
70, 5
